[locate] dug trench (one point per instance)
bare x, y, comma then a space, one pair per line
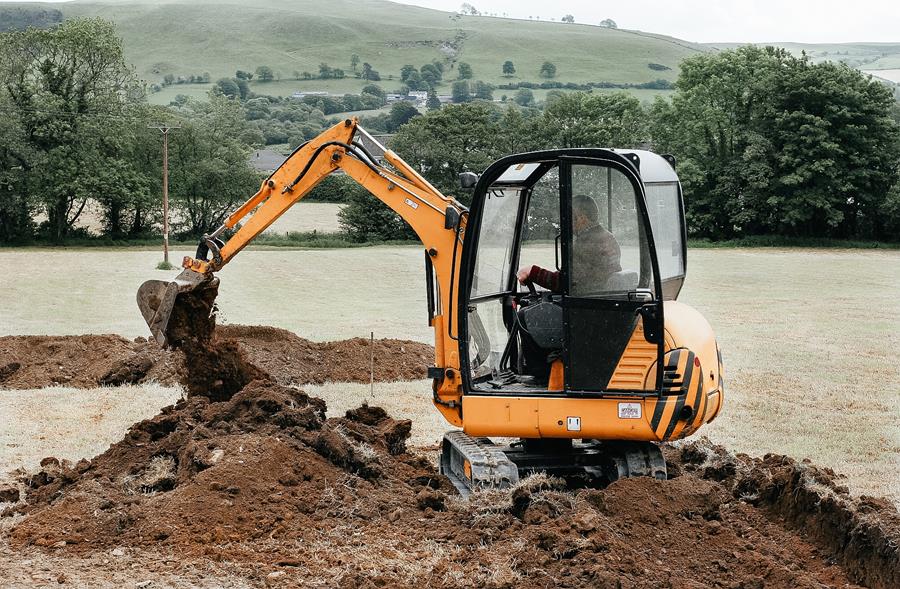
258, 477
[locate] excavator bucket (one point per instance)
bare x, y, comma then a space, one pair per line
160, 301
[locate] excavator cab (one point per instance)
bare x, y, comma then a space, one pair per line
567, 364
590, 220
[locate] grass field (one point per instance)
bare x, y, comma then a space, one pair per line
354, 86
809, 337
892, 75
220, 36
859, 55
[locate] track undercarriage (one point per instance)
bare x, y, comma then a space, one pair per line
478, 463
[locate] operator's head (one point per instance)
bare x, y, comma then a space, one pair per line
585, 212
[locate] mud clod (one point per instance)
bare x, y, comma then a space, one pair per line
9, 494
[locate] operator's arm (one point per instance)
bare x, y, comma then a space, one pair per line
548, 279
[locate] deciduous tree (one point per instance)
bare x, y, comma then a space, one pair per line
265, 74
548, 70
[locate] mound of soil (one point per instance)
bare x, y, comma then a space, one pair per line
88, 361
265, 479
261, 477
82, 361
256, 466
294, 360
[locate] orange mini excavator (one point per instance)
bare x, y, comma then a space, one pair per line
582, 377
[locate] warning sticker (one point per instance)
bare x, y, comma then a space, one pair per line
629, 410
573, 424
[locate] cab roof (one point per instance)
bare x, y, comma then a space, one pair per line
654, 168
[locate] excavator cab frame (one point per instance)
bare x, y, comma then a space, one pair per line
586, 331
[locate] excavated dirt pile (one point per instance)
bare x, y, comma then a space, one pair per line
88, 361
263, 480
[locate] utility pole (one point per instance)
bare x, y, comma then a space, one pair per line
165, 128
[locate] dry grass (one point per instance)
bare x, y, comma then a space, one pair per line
71, 423
320, 294
309, 216
403, 400
810, 339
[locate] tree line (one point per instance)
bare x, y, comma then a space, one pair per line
76, 132
766, 143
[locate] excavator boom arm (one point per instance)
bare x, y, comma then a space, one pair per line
438, 221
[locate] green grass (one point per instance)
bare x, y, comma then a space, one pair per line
184, 37
860, 55
800, 242
168, 94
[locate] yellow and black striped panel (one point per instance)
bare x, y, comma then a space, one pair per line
637, 360
680, 410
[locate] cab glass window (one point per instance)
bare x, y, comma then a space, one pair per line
497, 231
541, 226
664, 208
609, 256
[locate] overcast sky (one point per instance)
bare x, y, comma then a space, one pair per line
705, 21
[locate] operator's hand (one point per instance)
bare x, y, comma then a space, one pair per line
525, 275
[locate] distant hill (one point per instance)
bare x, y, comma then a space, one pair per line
184, 37
192, 37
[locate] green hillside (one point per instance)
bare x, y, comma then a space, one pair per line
184, 37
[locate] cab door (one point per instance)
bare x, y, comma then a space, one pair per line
610, 274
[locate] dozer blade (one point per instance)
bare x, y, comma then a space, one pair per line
158, 300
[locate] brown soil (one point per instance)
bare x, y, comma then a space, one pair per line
261, 479
294, 360
264, 479
87, 361
80, 361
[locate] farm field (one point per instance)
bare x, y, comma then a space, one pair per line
809, 336
354, 86
892, 75
309, 216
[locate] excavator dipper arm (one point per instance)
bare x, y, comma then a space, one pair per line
438, 220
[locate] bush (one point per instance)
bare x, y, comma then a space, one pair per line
366, 218
334, 188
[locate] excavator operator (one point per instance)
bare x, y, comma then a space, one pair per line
595, 254
595, 258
